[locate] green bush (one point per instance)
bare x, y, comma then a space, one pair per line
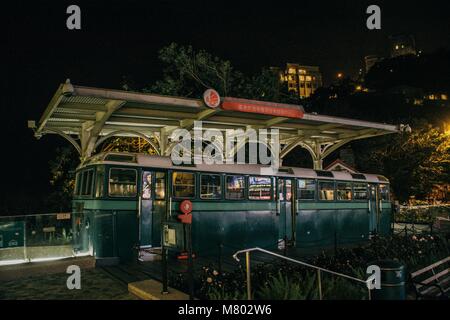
280, 287
284, 280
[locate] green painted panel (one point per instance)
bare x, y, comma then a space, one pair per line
98, 204
126, 235
352, 226
386, 205
315, 228
302, 205
233, 230
159, 211
146, 219
104, 234
228, 205
385, 222
262, 229
108, 233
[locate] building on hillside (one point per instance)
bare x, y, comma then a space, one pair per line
370, 61
402, 45
303, 80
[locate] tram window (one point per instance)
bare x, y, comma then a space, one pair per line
344, 191
384, 192
183, 185
146, 185
288, 190
160, 186
99, 182
281, 189
359, 191
86, 187
210, 186
122, 182
326, 190
274, 183
306, 189
235, 186
77, 183
259, 188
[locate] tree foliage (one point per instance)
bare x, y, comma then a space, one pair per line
189, 73
62, 169
413, 162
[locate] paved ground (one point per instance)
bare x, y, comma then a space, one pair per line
95, 285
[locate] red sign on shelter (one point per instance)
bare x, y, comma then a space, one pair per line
263, 107
211, 98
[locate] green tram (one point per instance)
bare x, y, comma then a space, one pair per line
125, 201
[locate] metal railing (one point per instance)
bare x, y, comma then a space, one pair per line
318, 269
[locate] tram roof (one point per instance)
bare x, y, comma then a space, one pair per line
151, 161
100, 112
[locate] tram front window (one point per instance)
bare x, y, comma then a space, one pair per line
122, 182
77, 184
84, 185
99, 182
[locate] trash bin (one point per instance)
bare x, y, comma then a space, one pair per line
393, 279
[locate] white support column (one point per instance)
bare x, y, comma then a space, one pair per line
318, 164
318, 156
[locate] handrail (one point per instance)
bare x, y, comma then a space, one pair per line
319, 269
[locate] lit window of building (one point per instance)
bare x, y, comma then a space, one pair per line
308, 80
402, 45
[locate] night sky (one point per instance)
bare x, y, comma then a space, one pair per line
123, 38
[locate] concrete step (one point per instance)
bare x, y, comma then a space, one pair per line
151, 290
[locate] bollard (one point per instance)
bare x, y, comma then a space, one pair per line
393, 276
